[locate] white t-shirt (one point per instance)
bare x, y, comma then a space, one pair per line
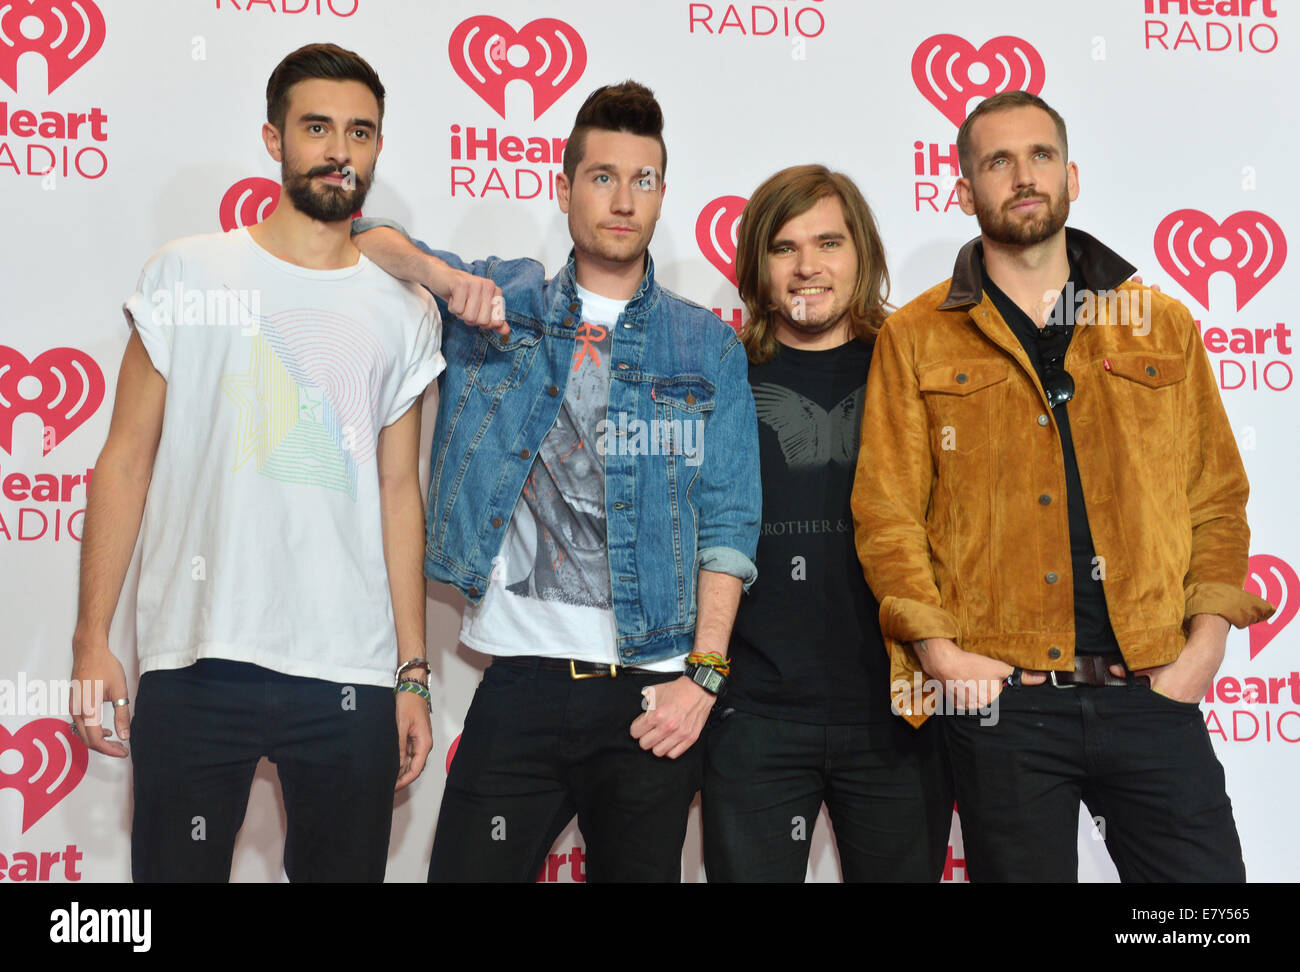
262, 538
550, 588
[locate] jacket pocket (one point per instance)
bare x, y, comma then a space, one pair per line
682, 406
1148, 385
501, 362
1146, 369
962, 398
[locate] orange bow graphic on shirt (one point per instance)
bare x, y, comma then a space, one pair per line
590, 335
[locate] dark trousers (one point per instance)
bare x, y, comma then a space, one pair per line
886, 788
540, 746
196, 737
1142, 764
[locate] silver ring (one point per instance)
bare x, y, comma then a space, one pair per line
73, 727
120, 702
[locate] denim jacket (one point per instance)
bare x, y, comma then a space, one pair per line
682, 487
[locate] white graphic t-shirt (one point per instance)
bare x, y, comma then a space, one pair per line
550, 589
262, 539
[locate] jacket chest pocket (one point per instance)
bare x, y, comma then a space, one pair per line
500, 363
682, 406
1145, 370
963, 400
1145, 386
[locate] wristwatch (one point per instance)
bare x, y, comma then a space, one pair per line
709, 679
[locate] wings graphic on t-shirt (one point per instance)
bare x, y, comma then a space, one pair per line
809, 435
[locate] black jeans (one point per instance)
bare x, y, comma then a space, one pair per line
196, 737
1141, 762
886, 787
539, 746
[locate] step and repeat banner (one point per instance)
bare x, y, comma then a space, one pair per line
128, 123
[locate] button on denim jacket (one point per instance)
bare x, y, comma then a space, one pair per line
680, 445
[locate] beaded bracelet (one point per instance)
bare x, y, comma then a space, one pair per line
418, 688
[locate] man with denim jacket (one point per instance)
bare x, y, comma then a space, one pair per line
595, 496
1050, 506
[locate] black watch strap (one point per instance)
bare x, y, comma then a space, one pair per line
709, 679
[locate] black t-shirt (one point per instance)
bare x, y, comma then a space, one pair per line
806, 645
1093, 634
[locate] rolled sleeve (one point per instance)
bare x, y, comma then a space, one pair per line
727, 560
363, 223
730, 499
424, 362
150, 311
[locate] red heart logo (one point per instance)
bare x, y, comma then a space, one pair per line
71, 33
451, 751
951, 73
1253, 251
547, 54
715, 233
248, 202
71, 388
1275, 581
54, 761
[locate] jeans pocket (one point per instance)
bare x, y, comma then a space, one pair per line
1180, 705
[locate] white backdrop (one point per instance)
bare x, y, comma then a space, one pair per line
127, 124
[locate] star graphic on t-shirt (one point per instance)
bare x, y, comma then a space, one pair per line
251, 428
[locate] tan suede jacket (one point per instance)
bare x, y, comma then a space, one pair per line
959, 503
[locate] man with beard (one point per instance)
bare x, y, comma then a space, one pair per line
807, 716
1050, 505
266, 430
594, 496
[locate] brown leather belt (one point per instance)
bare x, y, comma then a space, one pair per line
1088, 670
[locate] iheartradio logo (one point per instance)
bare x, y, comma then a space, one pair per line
451, 750
248, 202
1275, 581
546, 54
953, 75
715, 233
1248, 246
62, 386
53, 761
66, 33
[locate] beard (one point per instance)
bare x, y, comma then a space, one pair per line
810, 324
592, 243
1000, 226
328, 204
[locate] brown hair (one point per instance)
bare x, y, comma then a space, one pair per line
783, 196
627, 107
1003, 101
328, 61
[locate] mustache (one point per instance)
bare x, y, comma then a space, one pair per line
328, 170
1029, 194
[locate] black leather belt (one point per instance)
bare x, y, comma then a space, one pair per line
570, 667
1088, 670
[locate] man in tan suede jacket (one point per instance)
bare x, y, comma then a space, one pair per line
1050, 506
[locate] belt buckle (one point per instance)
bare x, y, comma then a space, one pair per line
573, 672
1067, 685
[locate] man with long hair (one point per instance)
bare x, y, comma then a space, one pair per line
807, 717
594, 497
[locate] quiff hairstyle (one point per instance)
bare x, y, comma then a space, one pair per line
628, 107
327, 61
783, 196
1004, 101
